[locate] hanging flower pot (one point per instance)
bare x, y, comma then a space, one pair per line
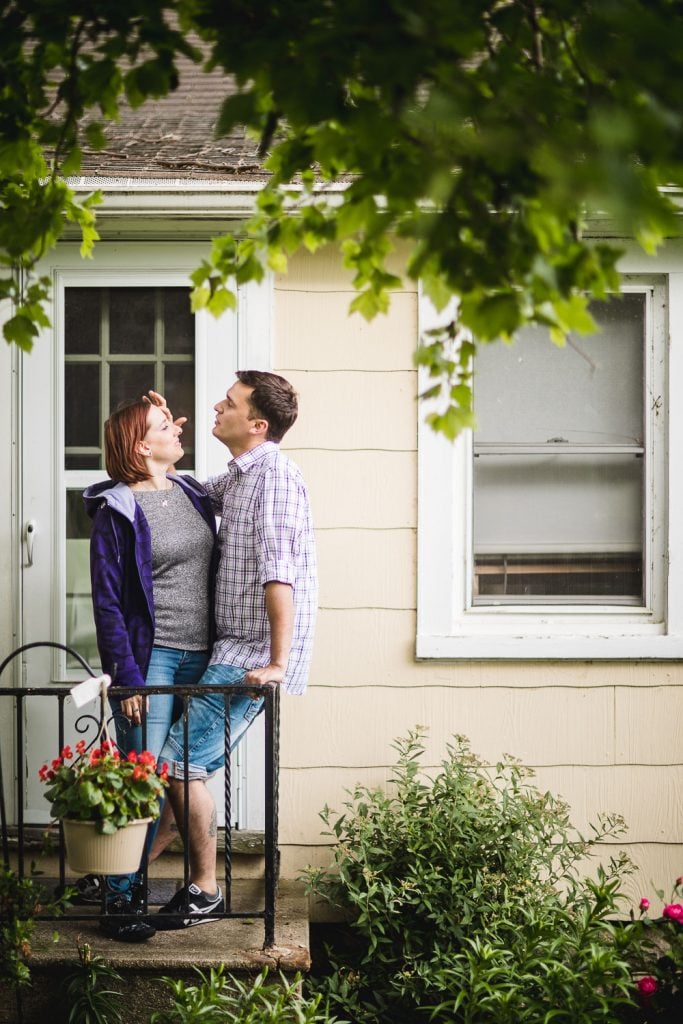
105, 802
104, 853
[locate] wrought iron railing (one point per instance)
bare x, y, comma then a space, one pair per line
89, 727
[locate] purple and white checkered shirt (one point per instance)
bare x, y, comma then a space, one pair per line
266, 534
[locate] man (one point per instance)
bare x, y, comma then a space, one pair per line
266, 601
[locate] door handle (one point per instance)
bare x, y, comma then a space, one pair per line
29, 537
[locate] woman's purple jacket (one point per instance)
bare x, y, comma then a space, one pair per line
121, 575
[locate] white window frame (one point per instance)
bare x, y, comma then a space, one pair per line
450, 627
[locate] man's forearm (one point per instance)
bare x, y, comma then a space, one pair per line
280, 612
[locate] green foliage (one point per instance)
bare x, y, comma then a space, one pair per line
481, 136
86, 999
466, 904
21, 899
223, 999
103, 787
65, 69
478, 138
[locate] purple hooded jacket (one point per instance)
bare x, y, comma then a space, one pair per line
121, 575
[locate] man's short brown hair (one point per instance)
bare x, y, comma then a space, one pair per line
273, 399
123, 431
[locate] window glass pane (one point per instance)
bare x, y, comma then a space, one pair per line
80, 625
565, 513
179, 393
131, 320
128, 381
83, 461
589, 391
178, 321
555, 526
82, 321
82, 405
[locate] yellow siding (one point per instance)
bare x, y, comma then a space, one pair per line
605, 736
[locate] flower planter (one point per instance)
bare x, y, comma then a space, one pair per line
91, 852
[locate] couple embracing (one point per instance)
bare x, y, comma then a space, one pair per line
177, 602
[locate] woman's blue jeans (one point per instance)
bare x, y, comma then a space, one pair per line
168, 666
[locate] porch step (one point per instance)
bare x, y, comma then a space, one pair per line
238, 944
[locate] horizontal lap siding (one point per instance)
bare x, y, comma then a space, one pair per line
606, 737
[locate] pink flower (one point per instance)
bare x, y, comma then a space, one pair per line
674, 911
644, 903
647, 986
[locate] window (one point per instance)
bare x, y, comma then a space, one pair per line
545, 533
558, 465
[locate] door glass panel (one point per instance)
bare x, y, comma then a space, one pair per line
80, 625
82, 321
132, 317
179, 390
82, 408
178, 320
129, 380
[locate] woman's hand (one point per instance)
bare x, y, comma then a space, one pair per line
132, 708
154, 398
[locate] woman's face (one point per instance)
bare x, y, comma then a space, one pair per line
162, 440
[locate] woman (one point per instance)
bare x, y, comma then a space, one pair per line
152, 566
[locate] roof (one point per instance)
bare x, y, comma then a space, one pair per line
174, 137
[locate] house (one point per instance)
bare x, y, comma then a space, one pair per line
523, 587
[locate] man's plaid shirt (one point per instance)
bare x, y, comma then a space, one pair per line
265, 535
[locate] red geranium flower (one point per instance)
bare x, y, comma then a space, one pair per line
66, 752
80, 747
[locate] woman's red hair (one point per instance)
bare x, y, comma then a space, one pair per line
123, 431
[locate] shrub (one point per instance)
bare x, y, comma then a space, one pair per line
466, 904
223, 999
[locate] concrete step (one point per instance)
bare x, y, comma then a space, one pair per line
238, 944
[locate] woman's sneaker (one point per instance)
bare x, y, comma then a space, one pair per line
190, 900
88, 890
126, 921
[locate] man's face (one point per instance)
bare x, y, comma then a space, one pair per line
233, 427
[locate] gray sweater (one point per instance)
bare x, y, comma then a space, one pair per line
181, 557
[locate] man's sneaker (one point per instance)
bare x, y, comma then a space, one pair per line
88, 890
126, 921
191, 900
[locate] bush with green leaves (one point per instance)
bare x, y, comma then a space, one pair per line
466, 903
21, 901
223, 999
87, 993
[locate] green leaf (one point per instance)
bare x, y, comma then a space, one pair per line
237, 109
491, 316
